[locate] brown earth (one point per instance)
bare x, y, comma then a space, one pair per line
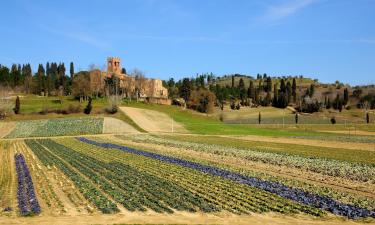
6, 128
300, 141
352, 132
153, 121
116, 126
176, 218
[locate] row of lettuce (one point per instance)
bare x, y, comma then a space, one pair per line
57, 127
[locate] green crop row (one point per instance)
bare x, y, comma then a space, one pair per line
223, 194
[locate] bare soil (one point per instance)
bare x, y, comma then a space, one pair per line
6, 128
352, 132
153, 121
116, 126
176, 218
317, 143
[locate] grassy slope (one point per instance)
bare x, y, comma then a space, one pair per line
201, 124
350, 155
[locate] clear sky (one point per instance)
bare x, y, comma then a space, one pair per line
325, 39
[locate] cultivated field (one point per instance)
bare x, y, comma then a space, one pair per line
99, 170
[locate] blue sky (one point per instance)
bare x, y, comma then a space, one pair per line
325, 39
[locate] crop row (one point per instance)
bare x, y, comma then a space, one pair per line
88, 190
134, 189
305, 184
352, 171
57, 127
279, 189
27, 201
223, 194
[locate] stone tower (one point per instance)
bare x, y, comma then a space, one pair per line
114, 65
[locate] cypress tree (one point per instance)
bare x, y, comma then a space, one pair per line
294, 90
242, 90
275, 100
17, 107
259, 118
72, 70
367, 117
296, 118
250, 90
289, 91
282, 86
232, 81
40, 79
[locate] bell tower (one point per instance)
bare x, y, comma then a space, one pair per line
114, 65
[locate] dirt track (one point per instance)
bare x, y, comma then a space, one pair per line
176, 218
317, 143
153, 121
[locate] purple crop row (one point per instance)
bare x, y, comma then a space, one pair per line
27, 201
300, 196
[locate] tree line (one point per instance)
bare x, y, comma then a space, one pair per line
47, 80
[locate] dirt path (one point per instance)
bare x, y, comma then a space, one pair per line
352, 132
176, 218
116, 126
153, 121
317, 143
6, 128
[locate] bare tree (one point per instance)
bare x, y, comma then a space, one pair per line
140, 82
81, 86
5, 102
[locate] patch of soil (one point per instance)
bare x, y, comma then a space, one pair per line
153, 121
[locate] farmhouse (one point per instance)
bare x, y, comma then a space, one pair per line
127, 85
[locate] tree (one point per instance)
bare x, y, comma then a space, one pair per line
289, 91
40, 79
296, 118
275, 97
4, 76
71, 70
259, 118
88, 108
294, 90
232, 81
282, 86
329, 104
123, 71
140, 82
81, 85
242, 90
185, 89
15, 75
367, 117
312, 90
17, 107
28, 78
346, 96
357, 93
268, 86
251, 90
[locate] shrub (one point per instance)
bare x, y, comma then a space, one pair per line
113, 102
88, 107
333, 120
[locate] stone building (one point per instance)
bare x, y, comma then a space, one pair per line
129, 86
